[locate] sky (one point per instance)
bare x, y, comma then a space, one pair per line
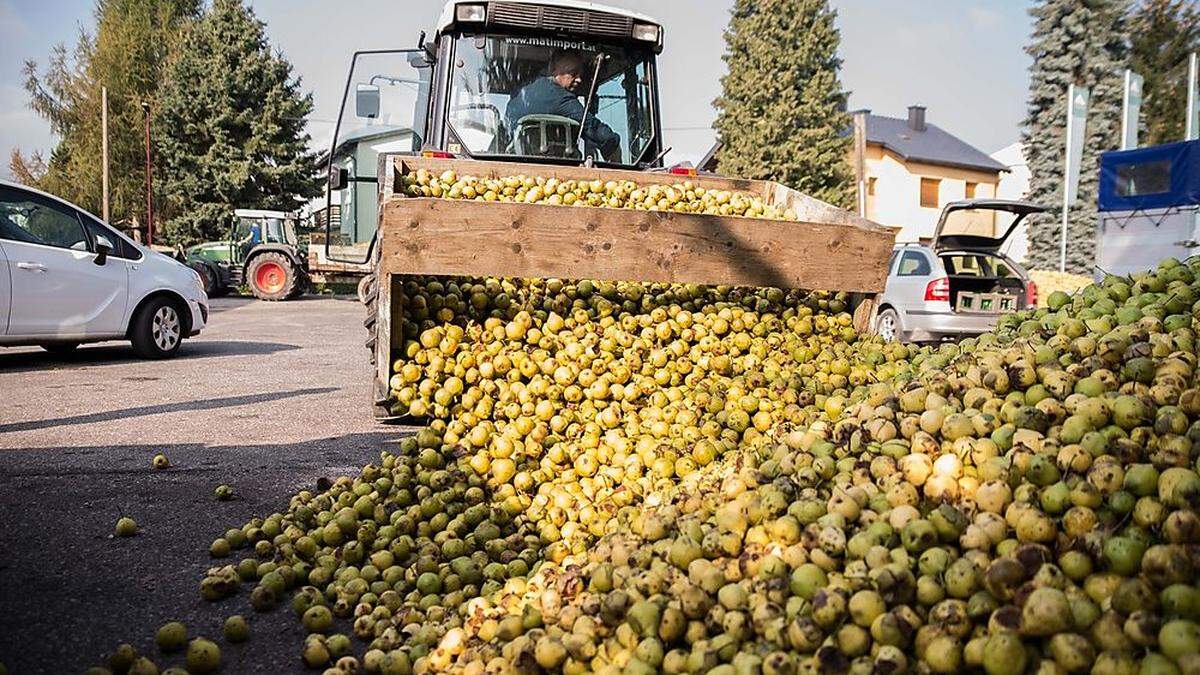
962, 59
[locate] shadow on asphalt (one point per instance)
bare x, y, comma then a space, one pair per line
228, 302
71, 591
106, 354
182, 406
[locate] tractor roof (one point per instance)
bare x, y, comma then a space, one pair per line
447, 18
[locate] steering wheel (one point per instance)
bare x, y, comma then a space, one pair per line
480, 106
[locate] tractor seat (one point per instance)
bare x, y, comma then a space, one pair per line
546, 136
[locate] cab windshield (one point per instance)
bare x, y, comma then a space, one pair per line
525, 96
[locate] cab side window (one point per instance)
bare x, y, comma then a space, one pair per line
33, 219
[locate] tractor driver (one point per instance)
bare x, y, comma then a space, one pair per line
555, 94
253, 238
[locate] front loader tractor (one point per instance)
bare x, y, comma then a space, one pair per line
262, 252
562, 91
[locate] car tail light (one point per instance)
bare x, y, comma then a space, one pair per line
1031, 293
437, 154
938, 289
681, 170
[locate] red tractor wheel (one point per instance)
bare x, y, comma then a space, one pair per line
271, 276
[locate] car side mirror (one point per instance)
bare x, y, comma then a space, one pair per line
103, 247
366, 101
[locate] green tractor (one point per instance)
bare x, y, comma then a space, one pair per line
262, 251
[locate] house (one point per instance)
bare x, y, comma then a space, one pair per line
913, 168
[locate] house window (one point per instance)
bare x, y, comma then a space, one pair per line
871, 186
970, 191
929, 192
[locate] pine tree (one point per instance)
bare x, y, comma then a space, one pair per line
230, 126
1162, 34
1081, 42
781, 115
131, 43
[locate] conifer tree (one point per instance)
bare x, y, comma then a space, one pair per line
1162, 34
126, 53
230, 126
782, 112
1081, 42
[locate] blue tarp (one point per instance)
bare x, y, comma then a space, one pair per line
1150, 178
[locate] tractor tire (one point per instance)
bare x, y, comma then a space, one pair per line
272, 276
209, 276
302, 287
368, 292
365, 286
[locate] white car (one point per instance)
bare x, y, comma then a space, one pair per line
961, 282
67, 278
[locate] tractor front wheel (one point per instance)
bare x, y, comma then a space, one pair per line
272, 276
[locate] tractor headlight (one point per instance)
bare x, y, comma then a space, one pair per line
474, 13
646, 32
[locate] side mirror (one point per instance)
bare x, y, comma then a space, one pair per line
339, 178
103, 247
366, 101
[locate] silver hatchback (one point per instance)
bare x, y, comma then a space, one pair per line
959, 283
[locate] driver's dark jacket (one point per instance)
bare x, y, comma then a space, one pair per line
544, 96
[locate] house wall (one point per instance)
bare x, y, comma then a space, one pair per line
1014, 185
897, 195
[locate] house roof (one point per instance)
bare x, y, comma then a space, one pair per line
933, 145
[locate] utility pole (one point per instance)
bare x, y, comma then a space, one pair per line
149, 181
860, 152
104, 149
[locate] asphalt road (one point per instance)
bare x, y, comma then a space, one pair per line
270, 398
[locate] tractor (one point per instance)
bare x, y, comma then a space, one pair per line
262, 251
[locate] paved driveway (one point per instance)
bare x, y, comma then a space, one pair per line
270, 398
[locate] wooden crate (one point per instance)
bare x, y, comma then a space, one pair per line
828, 249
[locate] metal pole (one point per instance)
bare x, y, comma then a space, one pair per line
1066, 186
149, 182
860, 151
104, 149
1125, 112
1191, 99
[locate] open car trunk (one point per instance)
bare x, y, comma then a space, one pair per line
983, 283
968, 239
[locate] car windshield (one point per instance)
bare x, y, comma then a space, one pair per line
524, 96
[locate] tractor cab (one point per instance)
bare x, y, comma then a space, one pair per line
254, 227
539, 81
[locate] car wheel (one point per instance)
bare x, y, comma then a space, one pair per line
157, 330
271, 276
887, 325
60, 348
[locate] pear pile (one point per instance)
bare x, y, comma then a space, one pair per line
680, 197
572, 401
660, 478
1051, 281
1027, 502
